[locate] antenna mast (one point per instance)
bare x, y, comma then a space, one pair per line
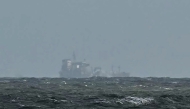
74, 56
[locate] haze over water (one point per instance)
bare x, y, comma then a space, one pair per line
145, 38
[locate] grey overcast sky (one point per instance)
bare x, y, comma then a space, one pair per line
144, 37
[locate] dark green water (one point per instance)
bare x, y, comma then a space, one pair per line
94, 93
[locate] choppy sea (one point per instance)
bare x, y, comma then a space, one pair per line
95, 93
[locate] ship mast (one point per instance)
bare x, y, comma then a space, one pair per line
74, 57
